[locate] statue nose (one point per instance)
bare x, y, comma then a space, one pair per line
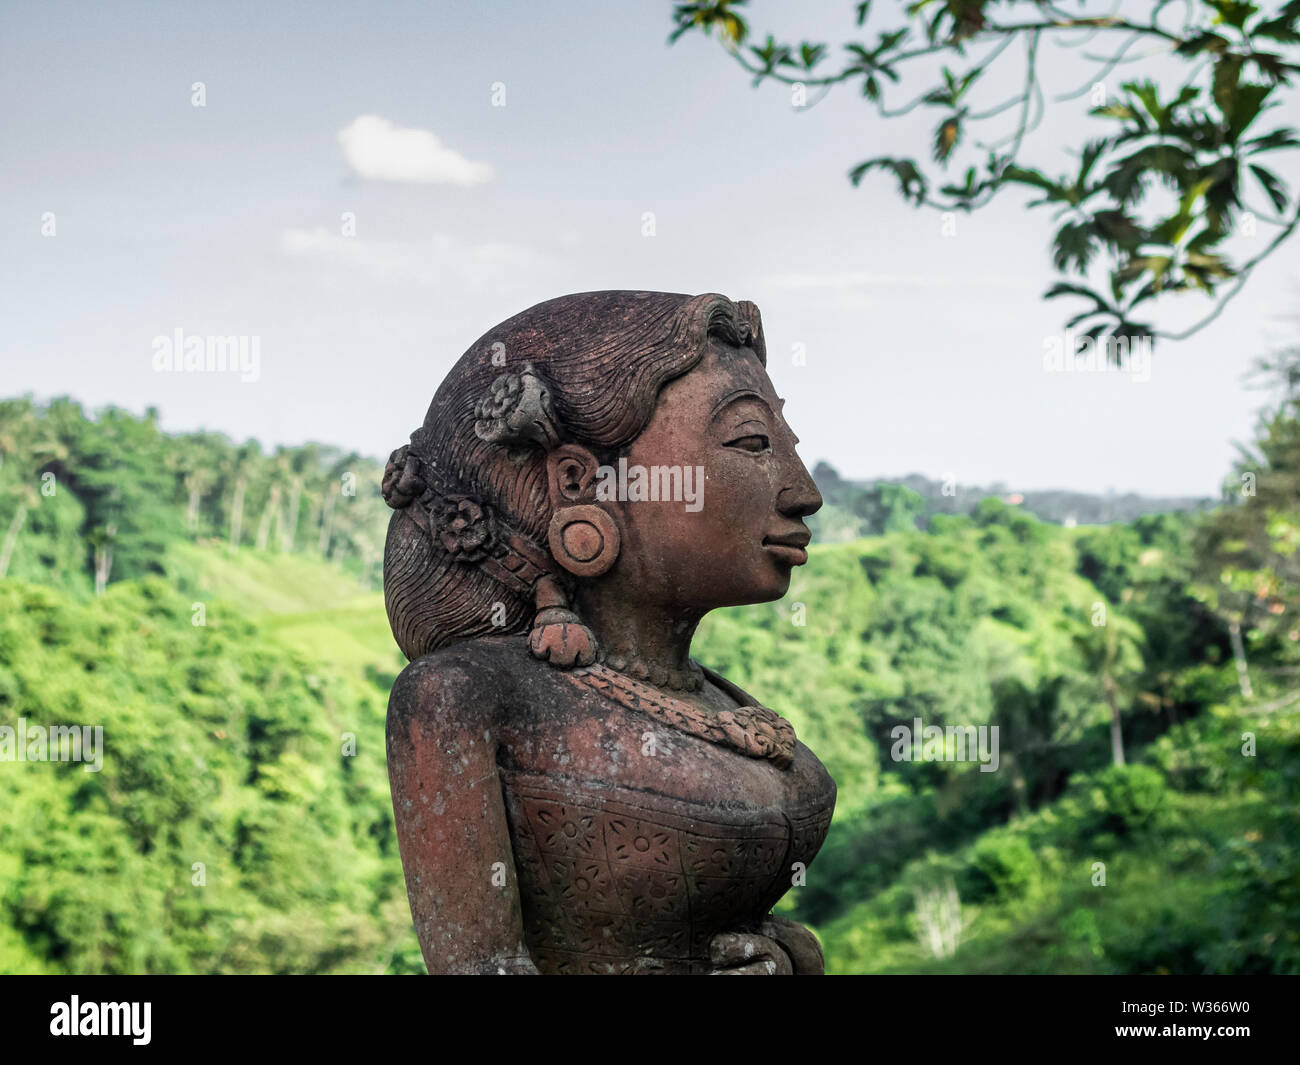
800, 499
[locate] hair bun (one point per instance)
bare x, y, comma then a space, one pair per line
403, 478
560, 638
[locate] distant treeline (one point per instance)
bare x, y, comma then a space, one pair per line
886, 504
88, 499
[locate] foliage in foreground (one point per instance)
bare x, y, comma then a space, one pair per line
226, 832
1171, 192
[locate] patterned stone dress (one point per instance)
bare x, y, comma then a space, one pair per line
633, 860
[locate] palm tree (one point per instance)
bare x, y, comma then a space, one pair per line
333, 493
237, 469
102, 539
279, 473
303, 474
1111, 652
26, 445
360, 523
196, 459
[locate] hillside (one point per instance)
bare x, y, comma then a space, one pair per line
241, 821
227, 738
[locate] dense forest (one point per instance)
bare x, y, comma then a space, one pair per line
215, 608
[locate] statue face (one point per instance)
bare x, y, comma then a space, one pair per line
735, 538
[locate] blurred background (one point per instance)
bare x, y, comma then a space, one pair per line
1029, 289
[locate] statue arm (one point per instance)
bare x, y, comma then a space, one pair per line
451, 821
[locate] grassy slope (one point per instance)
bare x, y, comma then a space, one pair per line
312, 605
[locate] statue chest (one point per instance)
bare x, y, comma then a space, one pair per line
634, 846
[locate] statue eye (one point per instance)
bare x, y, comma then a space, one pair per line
755, 444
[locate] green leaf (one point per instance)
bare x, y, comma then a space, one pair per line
1207, 237
1275, 140
770, 54
1069, 288
1148, 94
1274, 186
811, 54
1172, 229
1282, 28
1132, 331
1233, 13
1148, 291
966, 191
1272, 66
1126, 181
1204, 270
1074, 247
1210, 263
1120, 111
1137, 265
891, 39
1024, 176
1118, 230
1205, 41
1222, 196
1247, 103
1227, 73
911, 182
705, 14
1092, 151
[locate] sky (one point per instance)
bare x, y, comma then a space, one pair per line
368, 188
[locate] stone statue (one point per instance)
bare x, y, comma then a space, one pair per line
574, 794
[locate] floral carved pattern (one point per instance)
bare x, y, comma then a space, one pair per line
616, 881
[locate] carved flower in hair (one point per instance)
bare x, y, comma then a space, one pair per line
403, 481
465, 527
517, 410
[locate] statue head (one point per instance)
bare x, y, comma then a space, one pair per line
601, 448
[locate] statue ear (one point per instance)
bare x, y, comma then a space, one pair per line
583, 538
570, 475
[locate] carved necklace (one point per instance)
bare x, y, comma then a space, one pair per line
690, 679
752, 730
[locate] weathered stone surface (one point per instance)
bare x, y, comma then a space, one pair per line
573, 793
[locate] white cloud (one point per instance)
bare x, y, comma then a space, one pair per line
380, 151
442, 258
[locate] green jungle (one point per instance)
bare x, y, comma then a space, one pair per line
217, 609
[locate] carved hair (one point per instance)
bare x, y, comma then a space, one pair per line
466, 554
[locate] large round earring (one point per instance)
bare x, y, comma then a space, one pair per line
583, 539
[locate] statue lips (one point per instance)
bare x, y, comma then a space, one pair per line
791, 547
